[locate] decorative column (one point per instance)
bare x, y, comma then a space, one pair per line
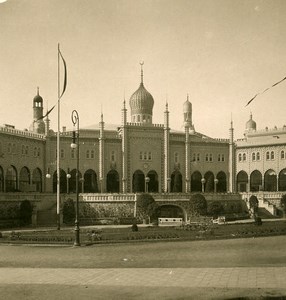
101, 154
124, 148
187, 158
166, 150
231, 161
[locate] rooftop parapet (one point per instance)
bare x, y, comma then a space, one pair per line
24, 133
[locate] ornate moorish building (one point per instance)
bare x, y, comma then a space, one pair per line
139, 155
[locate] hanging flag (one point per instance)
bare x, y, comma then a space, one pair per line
47, 113
273, 85
65, 72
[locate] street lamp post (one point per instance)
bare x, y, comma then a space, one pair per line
75, 144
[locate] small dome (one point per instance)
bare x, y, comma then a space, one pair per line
250, 124
187, 106
38, 98
141, 102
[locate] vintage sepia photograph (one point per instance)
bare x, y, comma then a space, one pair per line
143, 149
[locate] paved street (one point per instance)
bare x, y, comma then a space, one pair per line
228, 269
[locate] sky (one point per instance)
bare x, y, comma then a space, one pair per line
220, 52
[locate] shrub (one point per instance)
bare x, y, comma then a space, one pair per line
68, 211
215, 209
198, 204
146, 206
25, 213
283, 203
134, 227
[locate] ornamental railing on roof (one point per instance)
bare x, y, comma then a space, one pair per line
25, 133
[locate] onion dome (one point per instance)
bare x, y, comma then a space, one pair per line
187, 106
250, 124
141, 103
38, 98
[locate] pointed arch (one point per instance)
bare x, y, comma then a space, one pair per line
153, 184
242, 181
209, 185
24, 179
282, 180
63, 181
11, 179
255, 181
112, 182
222, 182
176, 182
90, 181
72, 181
270, 181
37, 180
138, 182
196, 182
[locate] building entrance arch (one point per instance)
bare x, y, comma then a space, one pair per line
112, 182
138, 182
153, 185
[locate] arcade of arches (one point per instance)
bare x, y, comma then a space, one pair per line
256, 181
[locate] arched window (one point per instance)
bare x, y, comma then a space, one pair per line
72, 153
62, 153
222, 157
149, 156
87, 153
176, 157
211, 157
258, 156
194, 157
27, 150
207, 157
253, 156
198, 157
244, 157
239, 157
282, 154
92, 154
267, 155
112, 156
141, 155
272, 155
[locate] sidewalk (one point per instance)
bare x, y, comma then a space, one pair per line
270, 277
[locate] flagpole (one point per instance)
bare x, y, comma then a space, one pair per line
58, 146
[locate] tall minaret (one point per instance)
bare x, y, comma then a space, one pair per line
166, 151
187, 108
101, 154
47, 122
231, 161
124, 147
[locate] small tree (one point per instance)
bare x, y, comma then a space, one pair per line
253, 205
283, 204
198, 204
146, 206
68, 211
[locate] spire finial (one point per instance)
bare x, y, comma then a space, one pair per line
142, 63
167, 103
187, 96
231, 121
38, 90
